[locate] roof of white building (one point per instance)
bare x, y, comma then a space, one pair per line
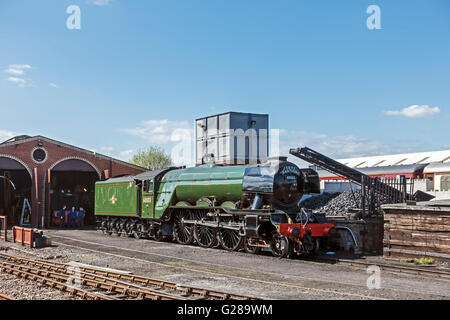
437, 167
398, 159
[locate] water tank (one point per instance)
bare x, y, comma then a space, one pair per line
232, 138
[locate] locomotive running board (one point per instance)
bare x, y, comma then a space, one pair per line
264, 212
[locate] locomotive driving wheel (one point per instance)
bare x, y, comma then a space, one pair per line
279, 246
205, 236
230, 239
183, 232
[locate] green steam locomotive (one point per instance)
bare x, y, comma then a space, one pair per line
235, 207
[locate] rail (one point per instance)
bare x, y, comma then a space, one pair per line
3, 297
137, 287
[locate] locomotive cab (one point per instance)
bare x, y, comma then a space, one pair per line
148, 198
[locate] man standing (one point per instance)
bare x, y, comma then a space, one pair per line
80, 215
72, 217
62, 216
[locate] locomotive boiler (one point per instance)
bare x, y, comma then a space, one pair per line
235, 207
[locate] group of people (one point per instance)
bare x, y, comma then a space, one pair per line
75, 218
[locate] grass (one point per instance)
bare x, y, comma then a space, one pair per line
422, 261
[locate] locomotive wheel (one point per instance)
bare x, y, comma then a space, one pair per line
230, 239
126, 233
182, 232
205, 236
136, 232
107, 230
279, 246
249, 248
311, 244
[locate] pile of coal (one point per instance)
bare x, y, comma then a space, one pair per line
335, 204
318, 202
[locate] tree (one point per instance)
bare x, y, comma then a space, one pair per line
153, 158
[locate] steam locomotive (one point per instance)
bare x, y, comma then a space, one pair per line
234, 207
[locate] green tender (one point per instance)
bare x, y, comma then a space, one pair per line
120, 197
116, 198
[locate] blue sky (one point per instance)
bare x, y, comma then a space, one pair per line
137, 68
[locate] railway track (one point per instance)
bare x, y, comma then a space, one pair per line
3, 297
108, 285
422, 271
89, 246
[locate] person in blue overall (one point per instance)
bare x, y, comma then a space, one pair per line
80, 215
72, 217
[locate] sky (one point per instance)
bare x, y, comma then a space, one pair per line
138, 72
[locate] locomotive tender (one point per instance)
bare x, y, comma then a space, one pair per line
248, 206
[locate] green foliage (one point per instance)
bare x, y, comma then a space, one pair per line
424, 261
153, 158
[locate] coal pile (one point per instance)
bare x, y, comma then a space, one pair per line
335, 204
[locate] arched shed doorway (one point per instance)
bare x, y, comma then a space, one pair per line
15, 186
72, 184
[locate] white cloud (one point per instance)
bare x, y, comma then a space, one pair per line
335, 147
5, 135
20, 66
124, 155
18, 70
18, 81
106, 149
415, 111
13, 71
100, 3
51, 84
161, 131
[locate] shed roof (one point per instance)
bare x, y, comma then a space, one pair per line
398, 159
437, 167
401, 169
24, 138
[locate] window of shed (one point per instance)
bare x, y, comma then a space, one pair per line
39, 155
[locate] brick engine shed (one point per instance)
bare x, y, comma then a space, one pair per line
51, 174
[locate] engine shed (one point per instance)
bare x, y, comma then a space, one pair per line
49, 174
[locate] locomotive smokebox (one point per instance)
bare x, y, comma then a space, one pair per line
281, 182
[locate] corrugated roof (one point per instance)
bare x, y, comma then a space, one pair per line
397, 159
437, 167
380, 170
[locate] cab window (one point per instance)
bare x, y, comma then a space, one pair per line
148, 185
